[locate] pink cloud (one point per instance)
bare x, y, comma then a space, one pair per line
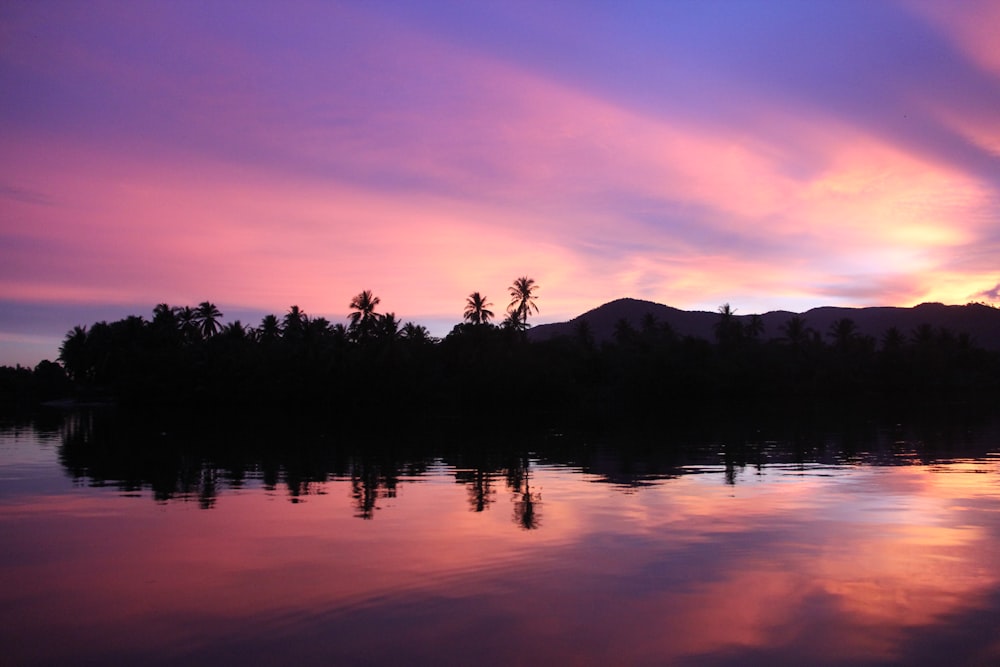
425, 170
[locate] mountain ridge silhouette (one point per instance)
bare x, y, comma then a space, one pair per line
980, 321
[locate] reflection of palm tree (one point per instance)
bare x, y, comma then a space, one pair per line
481, 490
364, 316
207, 318
477, 309
522, 300
526, 502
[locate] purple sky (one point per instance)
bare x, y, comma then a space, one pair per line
772, 155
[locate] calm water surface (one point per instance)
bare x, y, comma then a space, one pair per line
880, 547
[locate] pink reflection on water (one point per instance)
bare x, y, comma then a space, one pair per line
834, 564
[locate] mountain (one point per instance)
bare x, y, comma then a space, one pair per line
981, 322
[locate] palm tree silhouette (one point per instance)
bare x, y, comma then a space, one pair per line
165, 318
234, 331
795, 330
269, 329
728, 329
477, 309
522, 301
207, 318
893, 339
187, 319
364, 317
416, 333
388, 327
843, 332
294, 322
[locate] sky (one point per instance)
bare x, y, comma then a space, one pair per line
773, 155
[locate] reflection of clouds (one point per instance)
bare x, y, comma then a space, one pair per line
914, 561
836, 562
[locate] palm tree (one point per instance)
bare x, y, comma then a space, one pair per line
477, 309
511, 322
387, 327
416, 333
207, 318
187, 320
165, 318
364, 317
269, 329
234, 331
728, 328
294, 322
893, 339
795, 330
522, 300
843, 332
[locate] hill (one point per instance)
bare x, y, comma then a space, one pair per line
979, 321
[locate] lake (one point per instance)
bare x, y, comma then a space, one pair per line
851, 540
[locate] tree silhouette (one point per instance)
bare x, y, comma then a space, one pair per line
522, 301
364, 317
477, 309
727, 329
187, 320
416, 333
207, 318
269, 329
387, 327
843, 332
234, 331
294, 322
795, 330
893, 340
73, 353
165, 319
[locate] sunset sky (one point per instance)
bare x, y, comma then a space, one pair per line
772, 155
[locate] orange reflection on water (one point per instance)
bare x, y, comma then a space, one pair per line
845, 563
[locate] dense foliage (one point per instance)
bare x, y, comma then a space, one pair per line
484, 372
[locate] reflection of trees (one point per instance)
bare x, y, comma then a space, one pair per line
372, 481
526, 502
479, 482
201, 462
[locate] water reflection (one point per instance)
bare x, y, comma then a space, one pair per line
736, 546
191, 462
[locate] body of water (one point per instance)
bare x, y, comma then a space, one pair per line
878, 546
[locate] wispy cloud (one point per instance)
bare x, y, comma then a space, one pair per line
772, 155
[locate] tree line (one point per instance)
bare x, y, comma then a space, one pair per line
490, 373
